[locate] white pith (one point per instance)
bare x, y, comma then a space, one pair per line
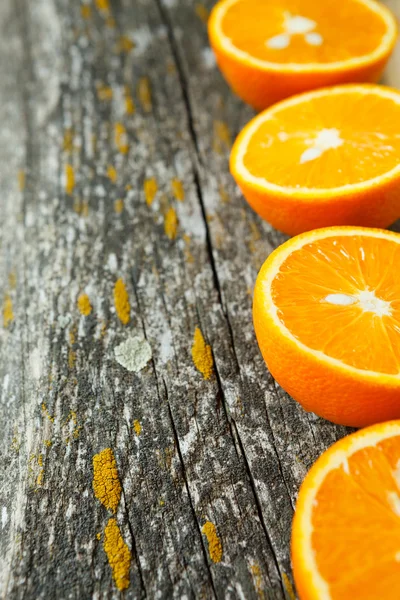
295, 25
326, 139
365, 299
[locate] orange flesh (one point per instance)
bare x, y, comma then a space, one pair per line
345, 265
356, 525
348, 29
367, 126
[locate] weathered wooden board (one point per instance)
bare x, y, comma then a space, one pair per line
120, 223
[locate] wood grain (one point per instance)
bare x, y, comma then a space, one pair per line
114, 143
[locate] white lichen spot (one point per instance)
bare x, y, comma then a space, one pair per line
36, 362
112, 262
4, 516
133, 354
63, 321
142, 38
166, 347
208, 58
394, 501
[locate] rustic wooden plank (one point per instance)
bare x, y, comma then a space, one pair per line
122, 125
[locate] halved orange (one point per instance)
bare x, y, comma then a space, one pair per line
327, 318
272, 49
346, 529
328, 157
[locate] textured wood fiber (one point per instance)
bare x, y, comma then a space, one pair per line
114, 141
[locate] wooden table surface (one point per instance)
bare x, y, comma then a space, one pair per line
141, 434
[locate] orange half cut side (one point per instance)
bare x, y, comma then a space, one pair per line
327, 319
271, 50
346, 529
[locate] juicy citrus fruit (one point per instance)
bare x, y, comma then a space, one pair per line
328, 157
269, 50
346, 529
327, 318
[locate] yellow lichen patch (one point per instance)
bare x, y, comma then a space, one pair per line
137, 427
202, 355
121, 138
12, 280
258, 583
161, 502
150, 190
188, 254
39, 480
86, 11
121, 302
171, 223
144, 94
68, 142
84, 209
48, 443
177, 189
130, 107
71, 358
171, 67
15, 443
69, 179
71, 352
8, 313
222, 137
103, 6
106, 484
288, 586
118, 554
21, 180
125, 44
112, 173
72, 418
84, 306
46, 413
255, 232
104, 93
223, 194
214, 543
98, 535
201, 12
119, 206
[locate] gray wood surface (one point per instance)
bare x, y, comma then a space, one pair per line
103, 108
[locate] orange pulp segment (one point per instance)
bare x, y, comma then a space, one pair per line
327, 319
346, 530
